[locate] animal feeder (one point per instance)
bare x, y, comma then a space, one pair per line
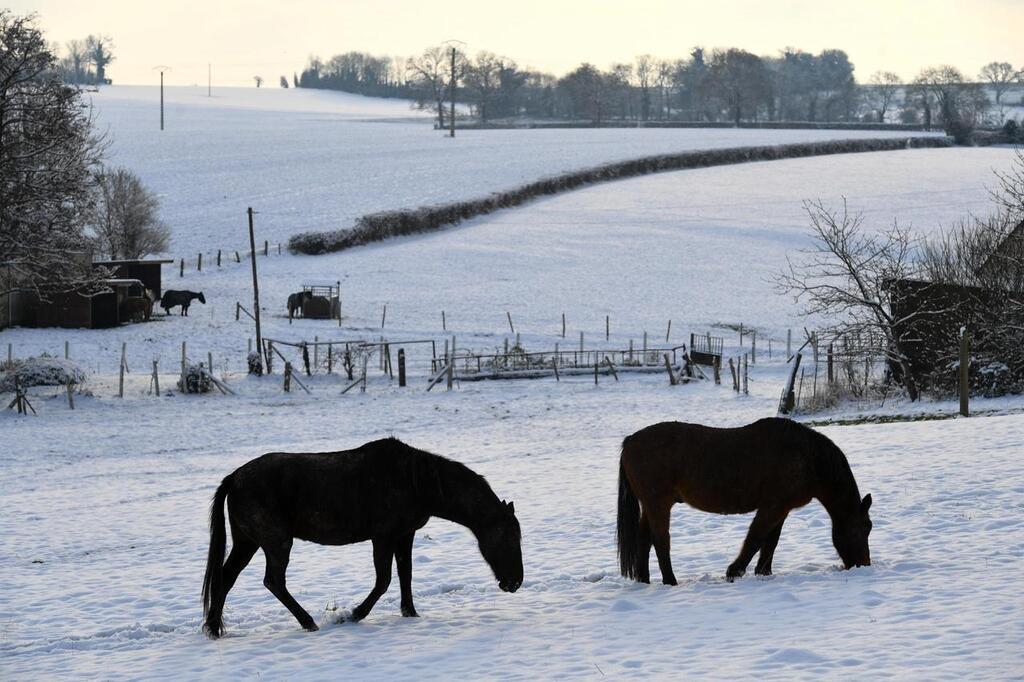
321, 300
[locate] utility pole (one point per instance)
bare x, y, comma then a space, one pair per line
161, 69
255, 286
451, 94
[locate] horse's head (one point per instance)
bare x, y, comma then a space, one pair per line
499, 543
850, 536
202, 299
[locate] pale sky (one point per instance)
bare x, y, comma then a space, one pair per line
244, 38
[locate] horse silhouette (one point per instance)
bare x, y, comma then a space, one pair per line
383, 491
771, 466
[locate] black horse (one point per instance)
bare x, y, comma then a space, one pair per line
295, 302
383, 491
172, 298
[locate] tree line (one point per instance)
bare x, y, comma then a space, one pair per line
719, 85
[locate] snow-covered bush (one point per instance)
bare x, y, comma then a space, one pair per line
255, 363
384, 224
44, 370
196, 380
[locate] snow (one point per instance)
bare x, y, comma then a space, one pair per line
105, 508
112, 499
316, 160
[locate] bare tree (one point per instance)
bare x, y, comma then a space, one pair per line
98, 48
884, 85
258, 80
845, 277
645, 75
126, 223
1000, 76
430, 73
48, 154
284, 82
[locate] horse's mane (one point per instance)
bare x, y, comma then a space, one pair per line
434, 474
829, 460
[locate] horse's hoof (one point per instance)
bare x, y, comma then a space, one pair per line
312, 627
410, 612
732, 573
669, 581
763, 571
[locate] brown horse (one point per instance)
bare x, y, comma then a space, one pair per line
772, 466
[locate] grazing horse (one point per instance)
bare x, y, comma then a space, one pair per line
174, 298
772, 466
295, 302
383, 491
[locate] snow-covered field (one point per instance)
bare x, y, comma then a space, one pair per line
317, 159
104, 541
104, 531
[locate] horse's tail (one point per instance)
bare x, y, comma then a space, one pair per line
628, 527
213, 582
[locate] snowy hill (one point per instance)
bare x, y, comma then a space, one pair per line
320, 159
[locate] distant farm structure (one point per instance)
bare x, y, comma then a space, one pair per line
130, 281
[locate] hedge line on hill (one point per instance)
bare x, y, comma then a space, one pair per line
375, 227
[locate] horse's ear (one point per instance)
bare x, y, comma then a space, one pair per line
865, 504
512, 507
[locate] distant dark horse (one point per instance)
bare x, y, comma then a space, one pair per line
139, 308
183, 298
772, 466
295, 302
383, 491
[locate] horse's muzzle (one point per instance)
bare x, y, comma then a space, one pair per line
510, 586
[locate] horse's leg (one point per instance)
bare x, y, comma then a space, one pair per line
643, 539
403, 561
242, 551
277, 564
383, 552
765, 521
764, 560
658, 523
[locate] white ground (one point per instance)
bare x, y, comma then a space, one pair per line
316, 160
104, 509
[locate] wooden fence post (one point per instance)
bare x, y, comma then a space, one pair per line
209, 362
67, 350
287, 377
71, 397
238, 257
563, 325
581, 342
741, 334
218, 258
266, 247
746, 376
510, 325
199, 262
444, 322
753, 347
831, 372
965, 364
184, 386
607, 327
156, 379
643, 360
120, 382
384, 316
181, 268
401, 367
789, 343
671, 374
668, 331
